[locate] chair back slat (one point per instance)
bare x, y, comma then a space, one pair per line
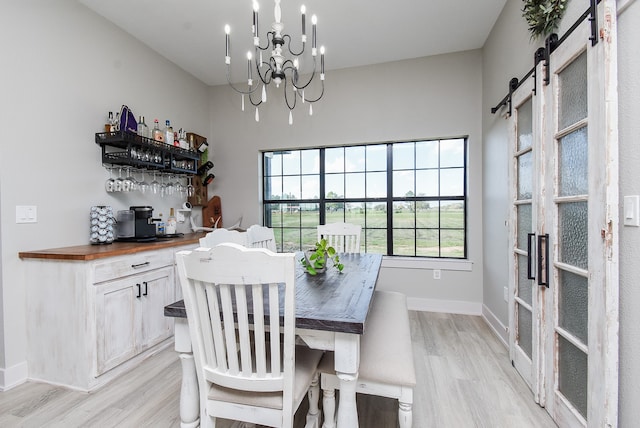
229, 289
259, 329
344, 237
261, 237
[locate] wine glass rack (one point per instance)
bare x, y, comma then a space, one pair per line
127, 148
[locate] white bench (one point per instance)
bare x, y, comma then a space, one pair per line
386, 359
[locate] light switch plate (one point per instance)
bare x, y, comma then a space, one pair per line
631, 211
26, 214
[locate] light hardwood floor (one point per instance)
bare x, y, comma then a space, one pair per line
465, 379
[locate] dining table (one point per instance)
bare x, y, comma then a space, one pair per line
331, 315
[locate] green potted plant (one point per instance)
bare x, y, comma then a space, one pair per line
315, 260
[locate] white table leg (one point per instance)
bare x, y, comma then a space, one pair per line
189, 396
347, 363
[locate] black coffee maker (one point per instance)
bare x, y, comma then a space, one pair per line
145, 228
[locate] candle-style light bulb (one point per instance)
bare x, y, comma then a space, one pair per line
322, 59
249, 77
314, 21
256, 37
227, 30
303, 11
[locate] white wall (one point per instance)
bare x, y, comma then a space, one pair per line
63, 68
438, 96
509, 53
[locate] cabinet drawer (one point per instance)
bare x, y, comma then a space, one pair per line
131, 264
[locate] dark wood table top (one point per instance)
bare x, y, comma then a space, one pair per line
330, 301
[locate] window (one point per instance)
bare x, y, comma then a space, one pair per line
409, 197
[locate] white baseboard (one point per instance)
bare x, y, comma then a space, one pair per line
445, 306
500, 330
13, 376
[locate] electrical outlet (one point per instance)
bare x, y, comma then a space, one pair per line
506, 294
436, 274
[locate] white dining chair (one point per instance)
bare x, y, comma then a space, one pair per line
218, 236
261, 237
344, 237
249, 368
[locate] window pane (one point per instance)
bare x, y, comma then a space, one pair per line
376, 241
403, 156
354, 213
573, 308
376, 213
525, 175
452, 182
573, 92
428, 214
273, 213
291, 163
334, 212
452, 214
273, 188
354, 159
334, 186
404, 214
427, 154
273, 163
311, 161
572, 374
376, 184
572, 224
525, 326
427, 182
404, 242
310, 186
354, 185
525, 285
334, 159
524, 224
451, 243
403, 183
428, 243
291, 187
451, 153
310, 215
377, 157
573, 165
525, 125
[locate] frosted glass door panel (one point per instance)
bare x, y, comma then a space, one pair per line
524, 225
525, 338
573, 163
525, 285
525, 125
573, 92
525, 169
573, 304
572, 374
572, 234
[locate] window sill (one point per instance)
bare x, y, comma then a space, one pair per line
426, 263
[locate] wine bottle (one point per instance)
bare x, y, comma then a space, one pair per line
168, 133
143, 129
205, 167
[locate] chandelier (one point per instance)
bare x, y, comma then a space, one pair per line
282, 68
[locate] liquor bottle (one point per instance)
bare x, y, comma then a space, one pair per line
158, 135
168, 133
172, 224
205, 167
143, 129
182, 139
109, 124
176, 142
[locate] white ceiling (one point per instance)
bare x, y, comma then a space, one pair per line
190, 33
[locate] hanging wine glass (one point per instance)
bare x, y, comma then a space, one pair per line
143, 186
190, 189
118, 184
155, 185
129, 183
169, 188
163, 186
109, 185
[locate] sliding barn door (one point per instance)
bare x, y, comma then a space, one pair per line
564, 321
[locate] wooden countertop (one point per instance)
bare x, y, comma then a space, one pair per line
93, 252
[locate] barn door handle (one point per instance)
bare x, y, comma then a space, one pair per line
543, 260
530, 243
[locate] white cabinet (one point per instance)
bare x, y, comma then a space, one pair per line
130, 316
92, 320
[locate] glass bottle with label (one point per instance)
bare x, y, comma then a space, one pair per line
158, 135
143, 129
168, 133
